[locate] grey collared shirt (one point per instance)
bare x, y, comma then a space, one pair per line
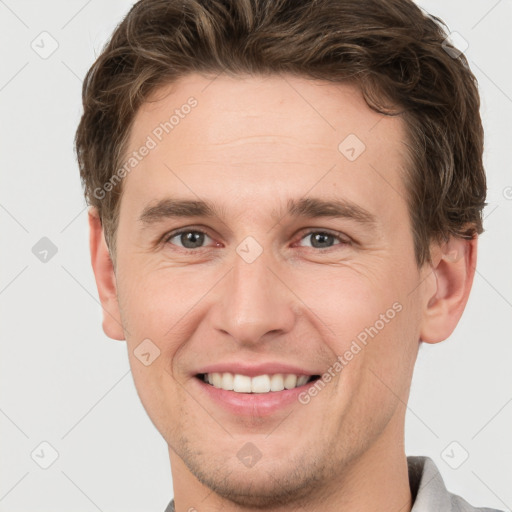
427, 488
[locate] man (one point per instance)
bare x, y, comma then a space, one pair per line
285, 202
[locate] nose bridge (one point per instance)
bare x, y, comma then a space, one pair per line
254, 301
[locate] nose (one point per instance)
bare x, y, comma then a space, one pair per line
255, 304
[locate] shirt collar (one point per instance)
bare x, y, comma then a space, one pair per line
427, 487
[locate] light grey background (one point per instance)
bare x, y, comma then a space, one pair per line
65, 383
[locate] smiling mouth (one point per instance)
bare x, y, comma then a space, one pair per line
265, 383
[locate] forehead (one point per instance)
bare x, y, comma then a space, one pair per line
263, 139
229, 108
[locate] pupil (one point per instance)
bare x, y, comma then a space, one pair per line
192, 239
321, 238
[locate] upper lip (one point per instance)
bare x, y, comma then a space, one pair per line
252, 370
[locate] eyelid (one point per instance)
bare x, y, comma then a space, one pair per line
196, 229
343, 239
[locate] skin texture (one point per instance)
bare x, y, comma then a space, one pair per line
250, 145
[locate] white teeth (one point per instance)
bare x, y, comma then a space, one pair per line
227, 381
277, 382
259, 384
302, 380
217, 379
241, 384
290, 381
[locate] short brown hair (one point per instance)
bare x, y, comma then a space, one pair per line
398, 55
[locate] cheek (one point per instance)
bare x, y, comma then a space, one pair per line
164, 306
344, 300
371, 323
152, 301
390, 354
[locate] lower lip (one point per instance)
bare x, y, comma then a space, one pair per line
252, 404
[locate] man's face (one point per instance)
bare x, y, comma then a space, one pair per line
266, 291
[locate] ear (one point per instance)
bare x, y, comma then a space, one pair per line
105, 278
452, 271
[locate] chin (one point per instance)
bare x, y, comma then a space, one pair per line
261, 488
271, 483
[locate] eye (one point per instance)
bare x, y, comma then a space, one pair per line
187, 238
323, 239
194, 239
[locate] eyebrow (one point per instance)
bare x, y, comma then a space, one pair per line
305, 207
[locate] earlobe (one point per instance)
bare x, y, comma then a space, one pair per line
105, 278
452, 273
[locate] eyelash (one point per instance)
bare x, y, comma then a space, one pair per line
339, 236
